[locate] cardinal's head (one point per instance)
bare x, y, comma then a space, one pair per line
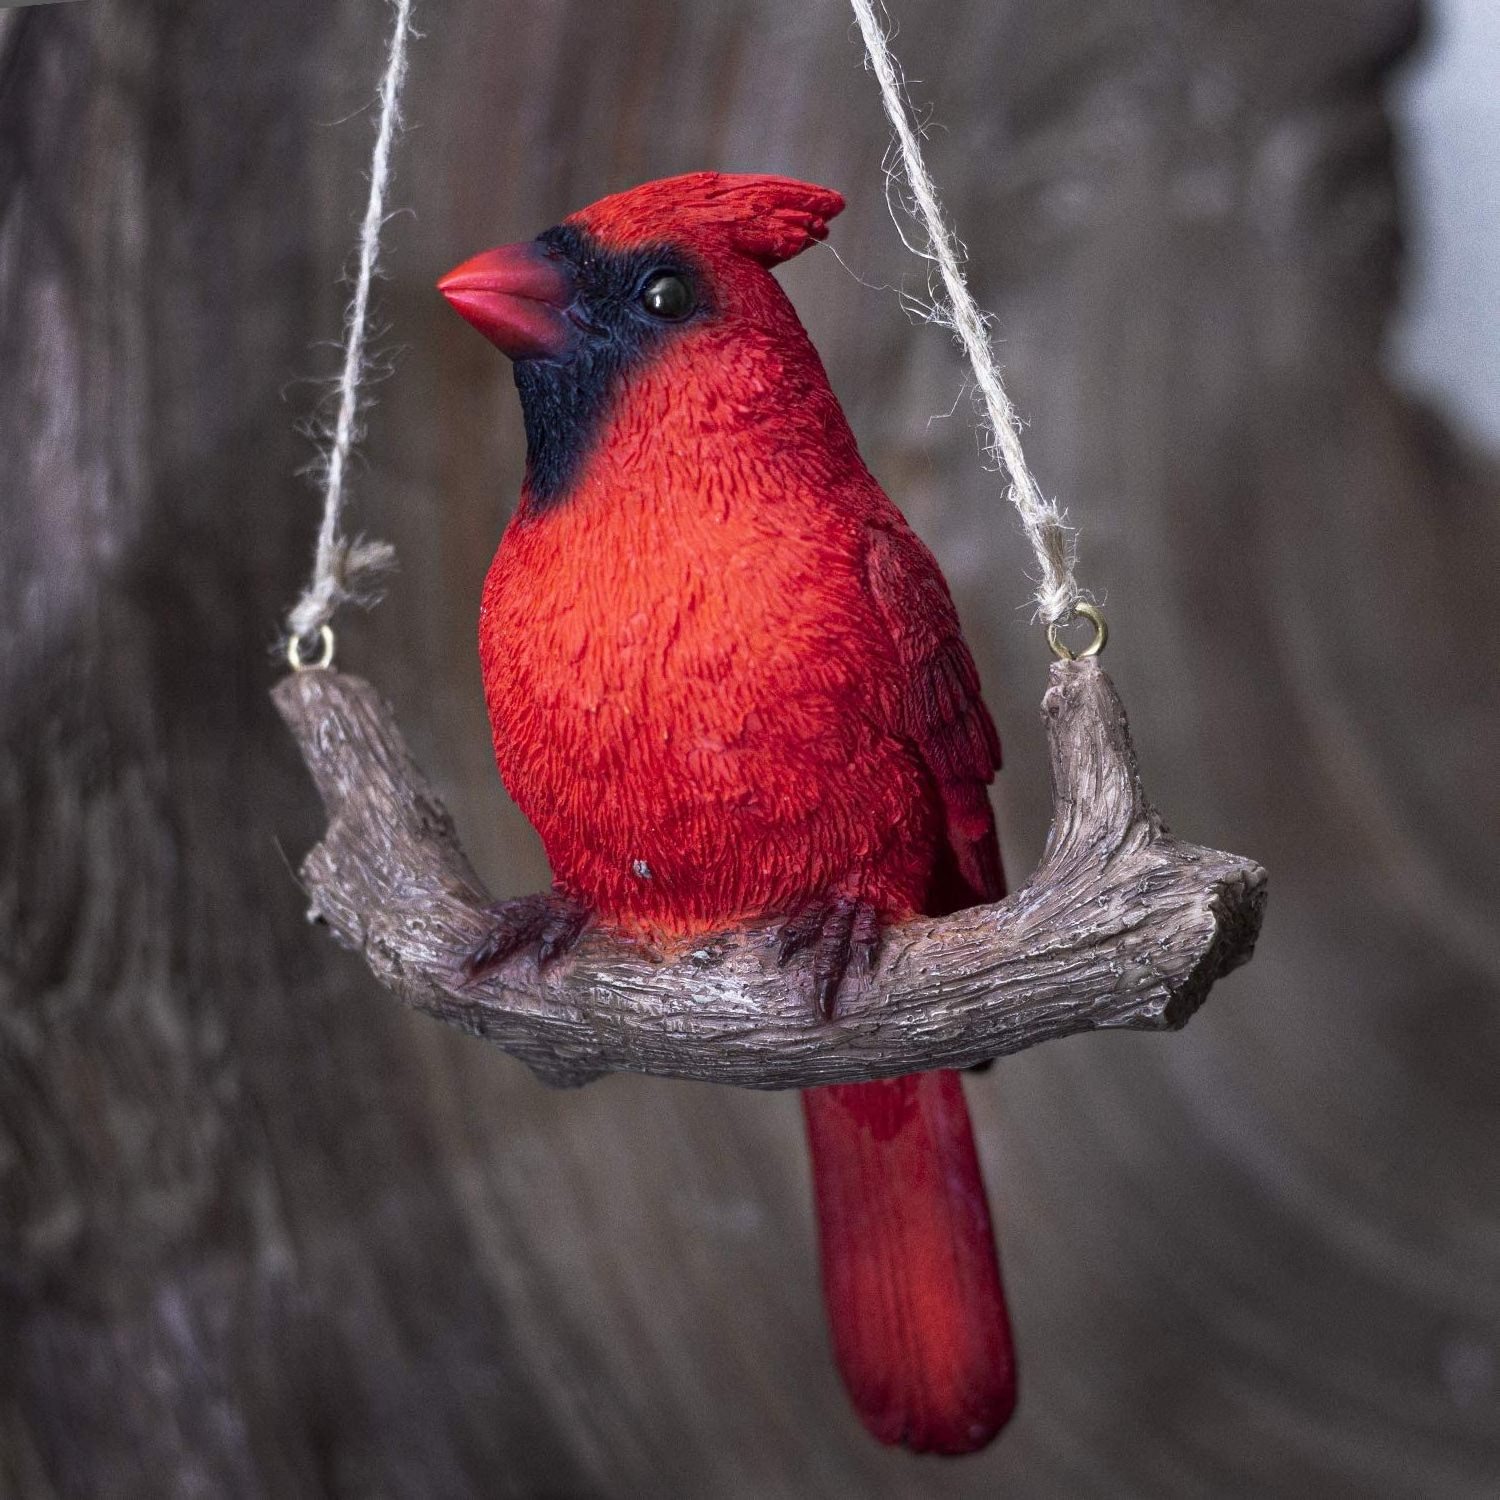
671, 278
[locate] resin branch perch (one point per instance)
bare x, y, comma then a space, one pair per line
1120, 925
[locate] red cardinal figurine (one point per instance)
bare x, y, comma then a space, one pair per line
727, 683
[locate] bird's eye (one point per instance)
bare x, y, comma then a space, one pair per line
667, 296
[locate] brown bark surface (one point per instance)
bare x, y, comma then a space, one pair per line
1120, 925
263, 1232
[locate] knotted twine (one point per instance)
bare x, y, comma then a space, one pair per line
954, 308
348, 570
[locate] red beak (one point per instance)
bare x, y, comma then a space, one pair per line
516, 296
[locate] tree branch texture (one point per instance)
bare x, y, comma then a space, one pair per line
1120, 925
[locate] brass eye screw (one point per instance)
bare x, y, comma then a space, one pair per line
1094, 647
323, 656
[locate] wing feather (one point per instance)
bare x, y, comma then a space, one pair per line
942, 711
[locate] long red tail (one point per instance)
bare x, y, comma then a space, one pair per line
910, 1273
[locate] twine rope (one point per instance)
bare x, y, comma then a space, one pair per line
953, 307
348, 570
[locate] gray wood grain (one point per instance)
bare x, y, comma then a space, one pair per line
1120, 925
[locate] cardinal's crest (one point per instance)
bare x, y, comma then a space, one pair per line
770, 219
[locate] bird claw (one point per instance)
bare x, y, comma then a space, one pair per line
547, 920
843, 935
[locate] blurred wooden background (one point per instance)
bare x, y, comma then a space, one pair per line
264, 1234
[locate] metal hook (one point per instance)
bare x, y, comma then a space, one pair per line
1094, 647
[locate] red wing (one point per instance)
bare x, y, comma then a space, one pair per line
943, 714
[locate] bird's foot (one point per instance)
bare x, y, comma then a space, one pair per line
548, 922
841, 934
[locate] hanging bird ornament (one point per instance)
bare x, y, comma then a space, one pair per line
727, 685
